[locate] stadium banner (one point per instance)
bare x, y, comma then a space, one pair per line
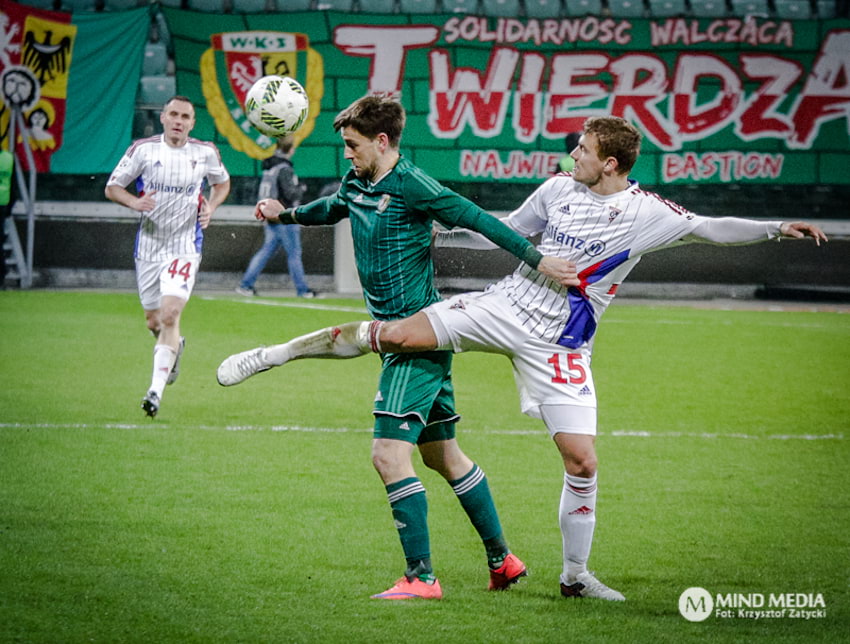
74, 79
718, 100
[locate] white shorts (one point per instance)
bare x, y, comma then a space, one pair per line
175, 277
546, 374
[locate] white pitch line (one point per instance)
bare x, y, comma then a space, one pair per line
290, 305
618, 433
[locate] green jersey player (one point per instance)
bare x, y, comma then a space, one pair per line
391, 205
391, 228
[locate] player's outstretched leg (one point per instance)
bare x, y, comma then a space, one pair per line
348, 340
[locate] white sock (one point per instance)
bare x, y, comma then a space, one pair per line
163, 361
348, 340
577, 516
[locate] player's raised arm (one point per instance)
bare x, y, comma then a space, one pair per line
736, 230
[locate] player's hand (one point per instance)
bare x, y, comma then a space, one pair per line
144, 203
204, 213
268, 210
559, 270
800, 229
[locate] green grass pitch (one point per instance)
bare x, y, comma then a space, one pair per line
253, 514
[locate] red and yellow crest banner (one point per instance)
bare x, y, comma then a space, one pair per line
35, 60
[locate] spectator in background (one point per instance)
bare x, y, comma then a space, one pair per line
567, 162
279, 182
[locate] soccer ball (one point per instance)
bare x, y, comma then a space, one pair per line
276, 105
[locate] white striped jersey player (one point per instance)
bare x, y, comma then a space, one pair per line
547, 330
178, 176
605, 236
603, 223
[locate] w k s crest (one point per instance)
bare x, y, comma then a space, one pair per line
236, 60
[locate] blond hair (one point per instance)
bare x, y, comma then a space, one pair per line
617, 138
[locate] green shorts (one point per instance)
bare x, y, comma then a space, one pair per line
416, 400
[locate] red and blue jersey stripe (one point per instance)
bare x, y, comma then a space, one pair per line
581, 325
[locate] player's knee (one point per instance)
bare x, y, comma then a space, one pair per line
446, 458
582, 465
382, 460
447, 469
392, 337
577, 451
403, 336
432, 461
169, 316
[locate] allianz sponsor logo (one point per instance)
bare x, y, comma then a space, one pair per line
697, 604
592, 247
177, 190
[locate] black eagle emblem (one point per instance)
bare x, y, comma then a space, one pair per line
46, 58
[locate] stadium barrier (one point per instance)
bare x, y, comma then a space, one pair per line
90, 244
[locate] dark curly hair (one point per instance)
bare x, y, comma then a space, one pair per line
372, 115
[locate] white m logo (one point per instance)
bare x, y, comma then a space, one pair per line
696, 604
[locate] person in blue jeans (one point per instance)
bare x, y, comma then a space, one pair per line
280, 182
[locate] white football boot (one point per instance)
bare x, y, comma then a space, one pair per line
586, 585
241, 366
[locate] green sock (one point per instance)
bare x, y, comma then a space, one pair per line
410, 512
473, 492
